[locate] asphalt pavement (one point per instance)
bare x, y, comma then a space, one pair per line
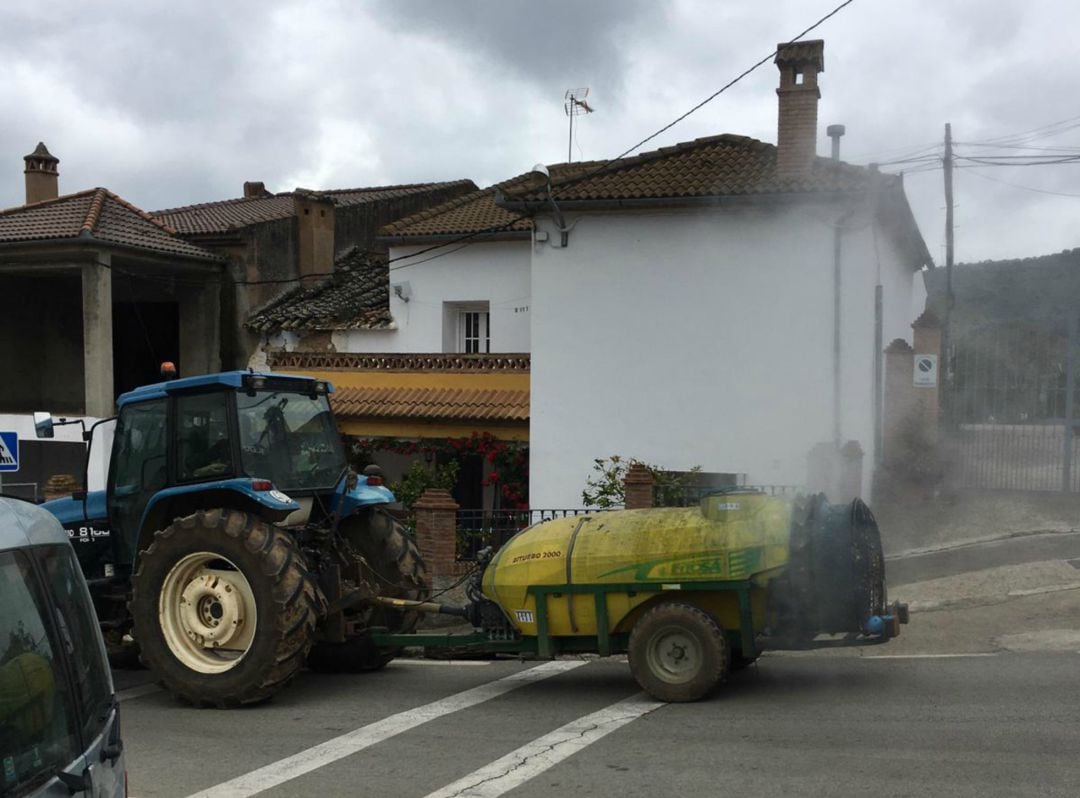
870, 723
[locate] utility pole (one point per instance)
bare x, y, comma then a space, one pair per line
945, 368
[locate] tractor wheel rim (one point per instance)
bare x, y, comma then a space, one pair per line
207, 612
674, 655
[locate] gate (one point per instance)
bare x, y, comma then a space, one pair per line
1010, 404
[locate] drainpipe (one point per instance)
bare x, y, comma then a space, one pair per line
835, 132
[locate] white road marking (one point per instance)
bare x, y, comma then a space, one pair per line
466, 662
533, 758
932, 656
137, 691
357, 740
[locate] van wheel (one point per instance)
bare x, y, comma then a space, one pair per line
223, 607
678, 652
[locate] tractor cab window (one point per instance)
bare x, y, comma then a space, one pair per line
202, 437
138, 470
290, 439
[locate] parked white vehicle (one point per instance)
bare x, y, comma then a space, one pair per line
59, 718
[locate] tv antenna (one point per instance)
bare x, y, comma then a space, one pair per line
575, 105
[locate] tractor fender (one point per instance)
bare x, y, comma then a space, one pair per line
237, 494
349, 501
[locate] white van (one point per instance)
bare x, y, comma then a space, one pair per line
59, 719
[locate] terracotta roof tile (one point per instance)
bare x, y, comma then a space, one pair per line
355, 298
225, 215
432, 403
724, 165
99, 214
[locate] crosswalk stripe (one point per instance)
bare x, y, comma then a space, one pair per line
533, 758
357, 740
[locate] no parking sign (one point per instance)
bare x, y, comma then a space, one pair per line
925, 371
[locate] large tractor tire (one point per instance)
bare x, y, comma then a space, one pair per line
392, 567
678, 652
223, 608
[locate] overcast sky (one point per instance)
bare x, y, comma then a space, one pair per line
175, 103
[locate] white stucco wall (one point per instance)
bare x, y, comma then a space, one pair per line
702, 338
496, 272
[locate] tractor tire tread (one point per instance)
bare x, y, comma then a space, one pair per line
293, 593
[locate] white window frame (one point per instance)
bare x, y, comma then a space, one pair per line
472, 327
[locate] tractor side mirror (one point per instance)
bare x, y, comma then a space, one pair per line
43, 425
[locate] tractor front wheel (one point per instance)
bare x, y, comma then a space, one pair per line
224, 609
678, 652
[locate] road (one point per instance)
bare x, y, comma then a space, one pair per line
981, 555
1004, 724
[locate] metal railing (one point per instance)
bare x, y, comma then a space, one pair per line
477, 529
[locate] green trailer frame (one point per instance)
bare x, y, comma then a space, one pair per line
605, 643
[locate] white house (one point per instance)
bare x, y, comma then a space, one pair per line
721, 303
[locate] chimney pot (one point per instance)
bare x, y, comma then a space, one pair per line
834, 132
799, 64
42, 176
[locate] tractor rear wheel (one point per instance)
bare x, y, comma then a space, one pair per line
678, 652
224, 609
392, 567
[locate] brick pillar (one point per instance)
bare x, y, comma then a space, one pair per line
927, 338
899, 398
436, 531
638, 488
436, 537
849, 483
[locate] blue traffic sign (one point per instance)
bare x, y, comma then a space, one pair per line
9, 451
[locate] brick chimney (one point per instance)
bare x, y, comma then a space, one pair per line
315, 232
799, 64
42, 176
255, 188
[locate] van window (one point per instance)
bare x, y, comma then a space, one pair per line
78, 629
38, 732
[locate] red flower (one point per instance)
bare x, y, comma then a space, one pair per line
493, 476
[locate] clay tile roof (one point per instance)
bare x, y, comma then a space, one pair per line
355, 298
224, 215
715, 166
95, 214
432, 403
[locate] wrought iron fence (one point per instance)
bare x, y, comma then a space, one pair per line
1011, 404
477, 529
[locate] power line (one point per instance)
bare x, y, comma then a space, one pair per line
1025, 188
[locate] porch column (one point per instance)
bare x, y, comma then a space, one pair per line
97, 337
200, 328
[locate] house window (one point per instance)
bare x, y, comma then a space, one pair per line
468, 328
474, 331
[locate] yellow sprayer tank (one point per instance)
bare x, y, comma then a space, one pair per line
736, 536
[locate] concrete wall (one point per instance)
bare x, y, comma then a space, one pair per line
41, 353
496, 272
701, 338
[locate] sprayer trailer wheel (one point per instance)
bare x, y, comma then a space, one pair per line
678, 652
224, 608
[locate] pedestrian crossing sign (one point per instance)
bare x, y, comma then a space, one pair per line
9, 451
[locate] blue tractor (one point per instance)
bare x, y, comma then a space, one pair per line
233, 544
